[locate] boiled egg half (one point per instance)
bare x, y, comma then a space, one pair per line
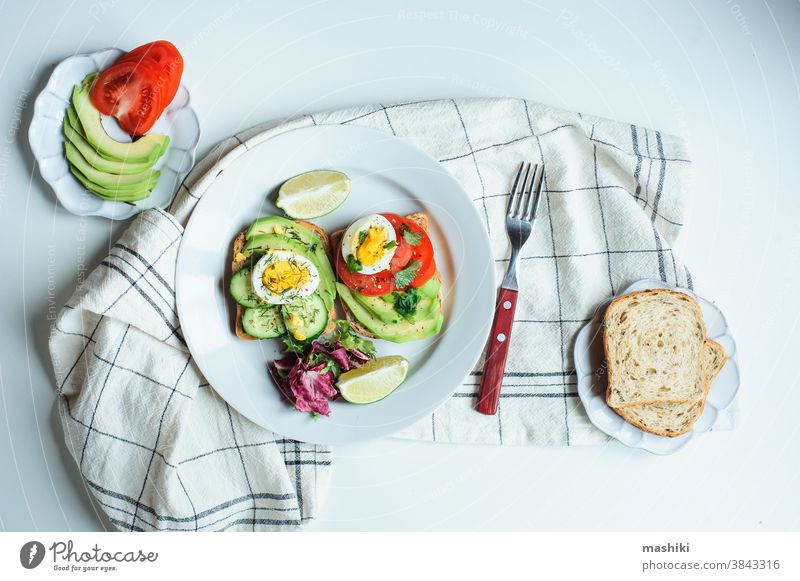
282, 277
371, 240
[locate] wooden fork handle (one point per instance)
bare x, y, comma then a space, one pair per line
497, 351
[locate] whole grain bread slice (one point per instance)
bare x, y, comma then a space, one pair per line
238, 261
675, 419
423, 222
653, 342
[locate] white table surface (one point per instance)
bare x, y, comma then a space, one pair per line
720, 73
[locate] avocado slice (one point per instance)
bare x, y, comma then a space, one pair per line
382, 307
399, 332
120, 194
431, 288
93, 158
103, 179
280, 225
264, 242
72, 119
145, 149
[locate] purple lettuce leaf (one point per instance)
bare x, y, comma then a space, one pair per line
308, 378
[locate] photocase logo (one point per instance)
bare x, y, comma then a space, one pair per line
31, 554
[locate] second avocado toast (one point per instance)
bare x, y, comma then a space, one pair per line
307, 316
385, 316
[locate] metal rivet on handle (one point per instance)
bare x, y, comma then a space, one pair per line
501, 337
507, 305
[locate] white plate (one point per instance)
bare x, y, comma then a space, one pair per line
388, 175
46, 137
590, 369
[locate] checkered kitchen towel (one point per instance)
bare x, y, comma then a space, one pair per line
160, 450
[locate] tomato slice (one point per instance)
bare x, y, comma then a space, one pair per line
139, 86
384, 282
165, 59
128, 91
423, 252
402, 254
371, 285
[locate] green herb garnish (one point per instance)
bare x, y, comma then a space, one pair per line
342, 333
389, 245
354, 264
403, 278
413, 238
406, 302
362, 236
293, 345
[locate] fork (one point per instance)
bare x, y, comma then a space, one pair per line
523, 205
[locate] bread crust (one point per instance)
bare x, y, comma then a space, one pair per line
421, 220
236, 265
629, 297
236, 248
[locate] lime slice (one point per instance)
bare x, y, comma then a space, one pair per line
374, 380
313, 194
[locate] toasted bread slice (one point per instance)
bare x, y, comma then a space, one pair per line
420, 220
675, 419
237, 262
653, 342
238, 244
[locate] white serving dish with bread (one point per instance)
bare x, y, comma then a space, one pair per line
656, 366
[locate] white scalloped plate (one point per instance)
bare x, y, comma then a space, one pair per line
590, 369
46, 137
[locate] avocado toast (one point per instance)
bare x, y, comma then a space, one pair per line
396, 316
304, 244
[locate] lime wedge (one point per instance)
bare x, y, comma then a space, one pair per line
374, 380
313, 194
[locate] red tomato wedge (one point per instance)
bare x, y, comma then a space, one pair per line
164, 58
371, 285
384, 282
423, 253
127, 91
139, 86
402, 254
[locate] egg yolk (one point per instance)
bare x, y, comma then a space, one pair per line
371, 249
284, 275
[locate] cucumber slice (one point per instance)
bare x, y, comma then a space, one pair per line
306, 318
241, 289
263, 322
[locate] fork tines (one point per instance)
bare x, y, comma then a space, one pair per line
523, 203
